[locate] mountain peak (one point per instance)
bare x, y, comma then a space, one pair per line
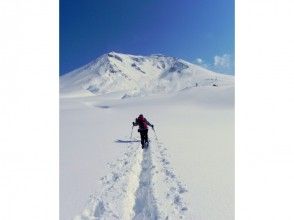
117, 56
135, 74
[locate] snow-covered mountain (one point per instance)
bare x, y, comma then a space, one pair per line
188, 170
137, 76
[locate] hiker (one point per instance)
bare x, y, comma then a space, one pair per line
143, 129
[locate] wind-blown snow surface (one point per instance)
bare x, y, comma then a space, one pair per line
188, 170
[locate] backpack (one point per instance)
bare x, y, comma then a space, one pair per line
142, 123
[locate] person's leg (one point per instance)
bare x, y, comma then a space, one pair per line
147, 136
142, 138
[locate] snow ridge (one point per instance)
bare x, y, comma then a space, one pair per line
141, 185
172, 193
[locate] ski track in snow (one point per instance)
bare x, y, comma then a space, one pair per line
141, 185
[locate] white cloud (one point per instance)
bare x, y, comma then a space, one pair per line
199, 61
223, 61
219, 63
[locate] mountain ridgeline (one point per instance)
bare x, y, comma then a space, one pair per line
133, 75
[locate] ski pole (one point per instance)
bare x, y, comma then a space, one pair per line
131, 133
155, 134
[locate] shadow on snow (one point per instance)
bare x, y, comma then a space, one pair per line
126, 141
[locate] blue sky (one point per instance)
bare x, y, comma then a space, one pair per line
199, 31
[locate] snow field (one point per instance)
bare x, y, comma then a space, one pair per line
141, 185
191, 169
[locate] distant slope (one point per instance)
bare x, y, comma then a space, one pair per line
138, 76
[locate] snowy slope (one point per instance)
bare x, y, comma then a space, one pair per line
188, 170
137, 76
188, 173
140, 186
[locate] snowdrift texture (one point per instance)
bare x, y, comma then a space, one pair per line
138, 76
188, 170
141, 185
